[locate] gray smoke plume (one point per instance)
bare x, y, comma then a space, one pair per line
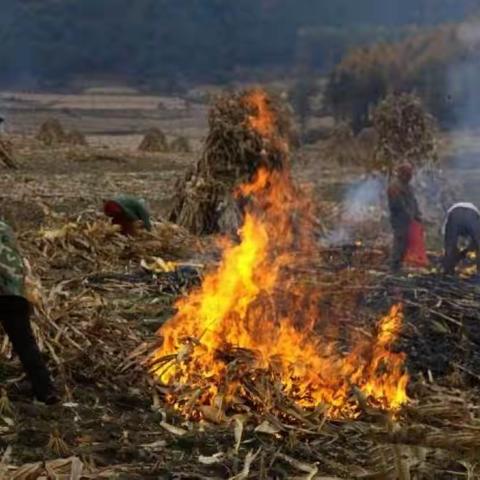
361, 206
364, 210
464, 91
463, 77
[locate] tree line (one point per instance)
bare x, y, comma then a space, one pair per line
165, 43
439, 64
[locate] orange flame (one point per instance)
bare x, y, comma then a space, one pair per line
263, 121
253, 301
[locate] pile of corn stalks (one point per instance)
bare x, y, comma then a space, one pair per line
405, 132
233, 152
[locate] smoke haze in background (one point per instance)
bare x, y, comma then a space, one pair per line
463, 77
464, 93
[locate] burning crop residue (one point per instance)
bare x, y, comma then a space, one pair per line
263, 121
251, 336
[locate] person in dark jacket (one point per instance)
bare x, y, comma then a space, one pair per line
126, 211
462, 221
404, 209
15, 318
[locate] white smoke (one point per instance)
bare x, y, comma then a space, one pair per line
463, 77
360, 206
464, 93
469, 33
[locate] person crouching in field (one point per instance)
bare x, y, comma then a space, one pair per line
462, 221
127, 212
15, 317
404, 210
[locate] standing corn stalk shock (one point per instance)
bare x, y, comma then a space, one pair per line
154, 141
14, 317
6, 157
405, 133
127, 211
204, 202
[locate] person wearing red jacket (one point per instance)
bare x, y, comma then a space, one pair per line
127, 211
404, 210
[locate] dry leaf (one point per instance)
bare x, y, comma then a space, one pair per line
238, 431
213, 459
57, 233
157, 445
212, 414
76, 470
173, 429
5, 460
267, 427
249, 459
158, 265
28, 471
311, 470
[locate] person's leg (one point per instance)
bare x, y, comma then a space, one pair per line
14, 316
400, 240
452, 254
475, 241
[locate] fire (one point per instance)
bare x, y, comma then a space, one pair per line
253, 320
263, 121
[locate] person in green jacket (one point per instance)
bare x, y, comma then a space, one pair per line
127, 211
15, 317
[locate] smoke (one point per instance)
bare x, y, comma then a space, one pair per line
469, 33
462, 78
464, 94
436, 192
361, 207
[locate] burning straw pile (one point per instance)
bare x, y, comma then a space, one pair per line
266, 346
232, 154
252, 339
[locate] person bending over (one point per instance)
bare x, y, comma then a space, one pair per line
127, 211
462, 222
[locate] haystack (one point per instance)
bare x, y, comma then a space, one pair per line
180, 145
6, 155
234, 150
154, 141
51, 132
406, 132
76, 138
